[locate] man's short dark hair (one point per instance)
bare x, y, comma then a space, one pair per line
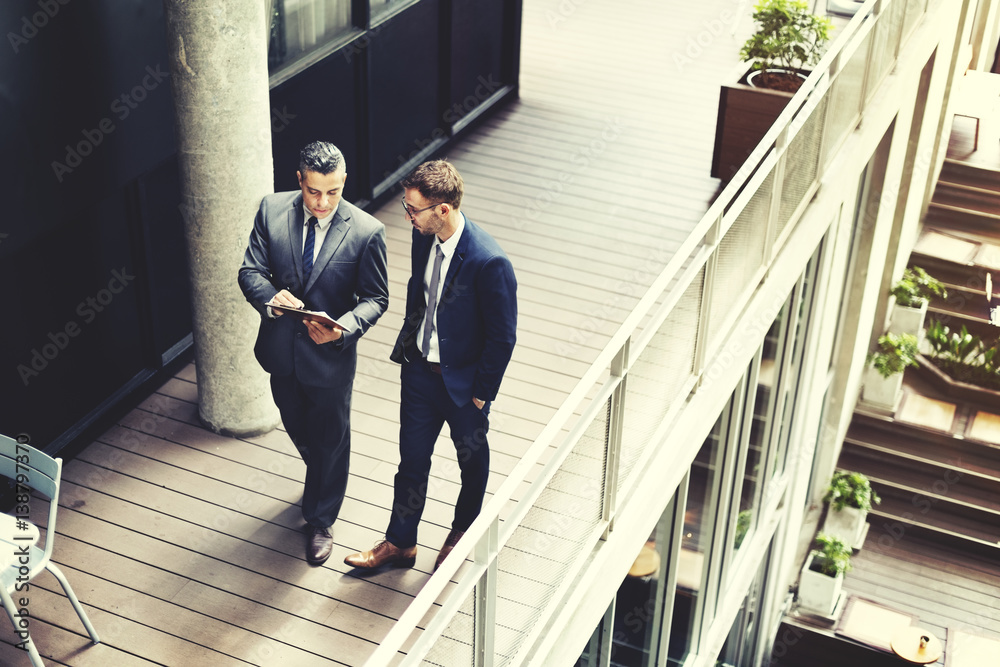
321, 157
437, 181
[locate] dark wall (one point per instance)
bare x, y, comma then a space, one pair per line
92, 257
86, 113
399, 90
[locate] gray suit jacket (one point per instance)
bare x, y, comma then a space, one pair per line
349, 281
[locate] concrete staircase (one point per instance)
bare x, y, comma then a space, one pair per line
960, 244
935, 485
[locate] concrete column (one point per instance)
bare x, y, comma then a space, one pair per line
218, 66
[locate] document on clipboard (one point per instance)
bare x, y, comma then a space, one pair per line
311, 315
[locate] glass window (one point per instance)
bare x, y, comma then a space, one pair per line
639, 605
740, 648
382, 6
595, 652
696, 542
803, 297
761, 402
301, 26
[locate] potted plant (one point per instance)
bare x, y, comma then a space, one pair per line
883, 380
849, 498
912, 293
822, 575
788, 38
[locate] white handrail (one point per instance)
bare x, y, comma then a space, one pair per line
432, 590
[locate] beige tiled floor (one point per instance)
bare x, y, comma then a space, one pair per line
946, 246
985, 427
929, 412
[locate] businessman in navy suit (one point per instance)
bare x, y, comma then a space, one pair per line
312, 249
455, 344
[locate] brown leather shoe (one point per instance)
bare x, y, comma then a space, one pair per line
453, 537
320, 545
383, 553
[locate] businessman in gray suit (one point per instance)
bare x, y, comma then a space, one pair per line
312, 249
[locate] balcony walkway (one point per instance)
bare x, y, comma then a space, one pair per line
186, 547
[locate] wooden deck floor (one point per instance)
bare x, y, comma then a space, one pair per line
944, 588
186, 547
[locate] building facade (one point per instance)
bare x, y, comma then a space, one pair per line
682, 488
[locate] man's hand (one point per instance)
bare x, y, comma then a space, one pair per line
322, 334
479, 404
284, 298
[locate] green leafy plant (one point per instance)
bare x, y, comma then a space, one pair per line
936, 335
991, 358
834, 557
850, 489
917, 286
743, 520
788, 37
894, 353
964, 356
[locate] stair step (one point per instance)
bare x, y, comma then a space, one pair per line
921, 477
967, 198
966, 285
957, 171
885, 531
959, 219
936, 515
975, 323
940, 449
945, 248
969, 304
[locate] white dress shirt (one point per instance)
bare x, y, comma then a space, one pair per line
448, 251
322, 227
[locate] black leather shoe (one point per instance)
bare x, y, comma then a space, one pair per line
320, 545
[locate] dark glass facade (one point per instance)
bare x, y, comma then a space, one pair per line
92, 253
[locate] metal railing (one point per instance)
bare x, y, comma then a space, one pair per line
524, 554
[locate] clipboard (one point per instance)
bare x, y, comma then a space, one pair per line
311, 315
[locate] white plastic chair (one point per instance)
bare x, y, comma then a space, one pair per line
20, 559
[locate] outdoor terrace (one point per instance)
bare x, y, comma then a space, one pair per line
186, 547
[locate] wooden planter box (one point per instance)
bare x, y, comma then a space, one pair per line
745, 116
961, 391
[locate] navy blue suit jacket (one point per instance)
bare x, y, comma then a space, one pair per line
348, 281
476, 317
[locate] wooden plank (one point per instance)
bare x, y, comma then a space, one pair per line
201, 531
313, 590
175, 421
59, 640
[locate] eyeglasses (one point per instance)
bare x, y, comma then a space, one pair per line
412, 213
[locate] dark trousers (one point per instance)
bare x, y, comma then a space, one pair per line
318, 421
424, 407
